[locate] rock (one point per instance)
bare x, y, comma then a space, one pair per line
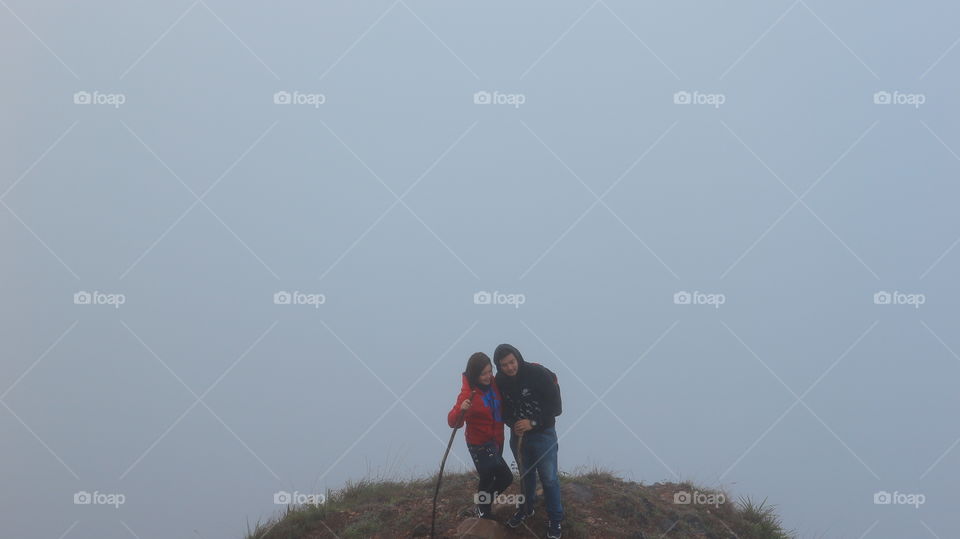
422, 530
481, 528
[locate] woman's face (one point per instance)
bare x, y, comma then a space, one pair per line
486, 375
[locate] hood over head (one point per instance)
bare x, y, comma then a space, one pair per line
505, 350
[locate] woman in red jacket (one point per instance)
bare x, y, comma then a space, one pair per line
479, 405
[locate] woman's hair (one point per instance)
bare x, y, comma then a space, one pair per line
475, 366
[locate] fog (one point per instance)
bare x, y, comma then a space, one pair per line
249, 247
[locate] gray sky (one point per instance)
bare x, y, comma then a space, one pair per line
791, 166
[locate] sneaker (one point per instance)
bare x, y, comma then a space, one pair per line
553, 530
517, 519
480, 513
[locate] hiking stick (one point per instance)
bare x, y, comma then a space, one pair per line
443, 462
520, 467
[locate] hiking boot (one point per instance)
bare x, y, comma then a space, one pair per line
553, 530
518, 518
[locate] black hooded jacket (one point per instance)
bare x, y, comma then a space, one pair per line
532, 394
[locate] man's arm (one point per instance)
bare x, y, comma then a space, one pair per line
509, 410
548, 394
544, 388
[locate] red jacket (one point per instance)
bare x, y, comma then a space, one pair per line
484, 418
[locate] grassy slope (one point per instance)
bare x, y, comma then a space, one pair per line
597, 504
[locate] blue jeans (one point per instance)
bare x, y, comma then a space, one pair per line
539, 458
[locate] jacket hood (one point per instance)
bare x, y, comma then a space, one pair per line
465, 386
505, 350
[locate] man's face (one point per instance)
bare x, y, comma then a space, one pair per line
508, 364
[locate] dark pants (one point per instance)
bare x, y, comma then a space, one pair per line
540, 458
495, 475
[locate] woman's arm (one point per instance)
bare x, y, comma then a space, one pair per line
457, 414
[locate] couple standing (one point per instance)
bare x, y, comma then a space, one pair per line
526, 398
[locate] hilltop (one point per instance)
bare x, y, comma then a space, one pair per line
597, 504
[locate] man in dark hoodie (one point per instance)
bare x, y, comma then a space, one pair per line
531, 402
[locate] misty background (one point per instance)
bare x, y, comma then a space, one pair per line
193, 159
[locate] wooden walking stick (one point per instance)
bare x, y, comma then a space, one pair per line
520, 468
443, 462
